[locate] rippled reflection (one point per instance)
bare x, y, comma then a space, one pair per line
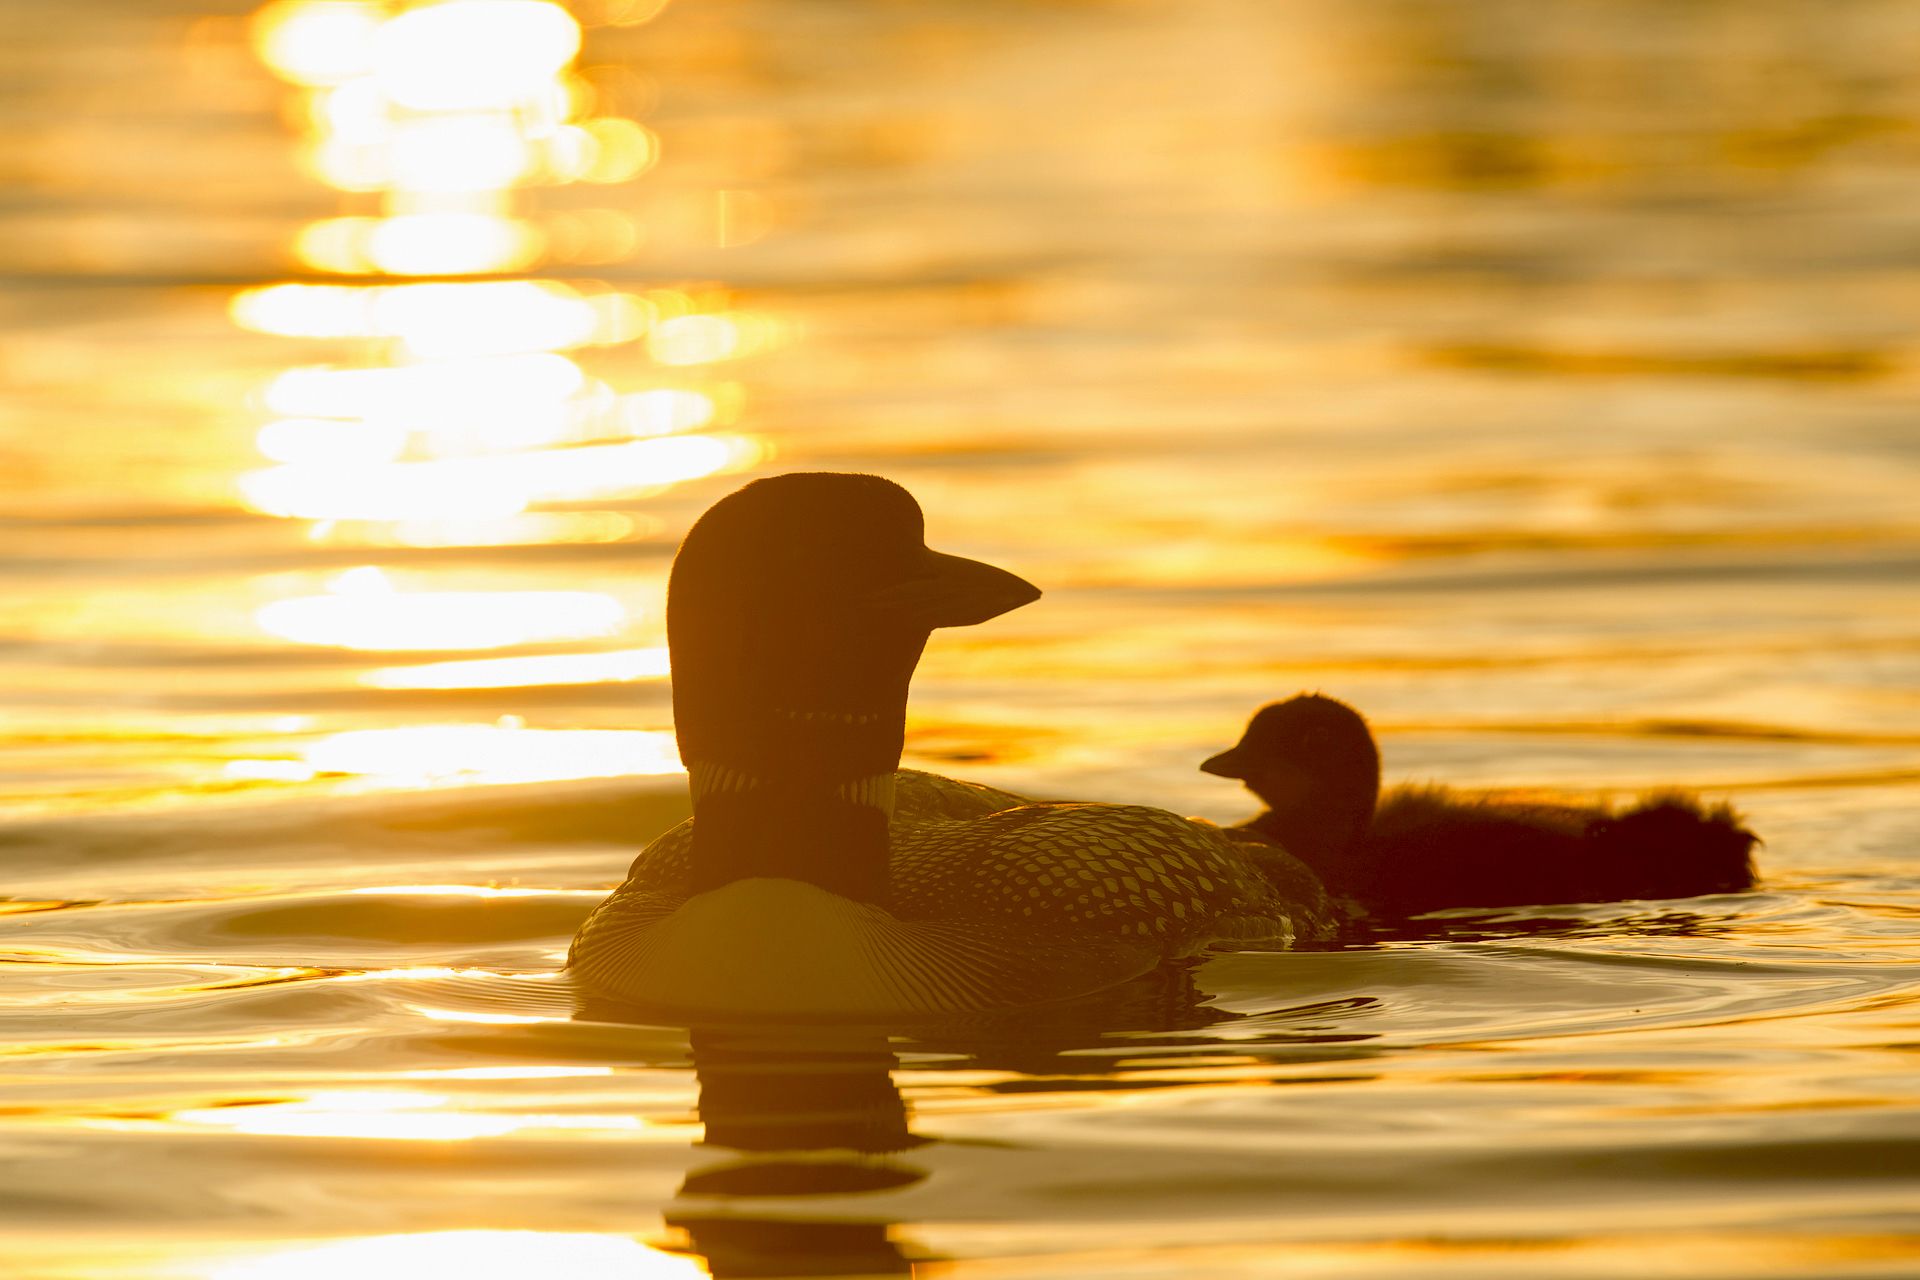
797, 1116
801, 1118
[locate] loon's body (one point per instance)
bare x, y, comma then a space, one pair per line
815, 877
1416, 849
994, 901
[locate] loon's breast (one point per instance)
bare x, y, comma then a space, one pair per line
767, 947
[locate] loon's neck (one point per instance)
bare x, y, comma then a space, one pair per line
791, 735
823, 821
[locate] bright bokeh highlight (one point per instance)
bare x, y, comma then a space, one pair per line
471, 1255
664, 412
355, 112
324, 441
451, 244
452, 320
307, 310
449, 754
476, 404
440, 321
527, 529
338, 245
426, 244
488, 487
502, 673
332, 393
458, 153
397, 491
458, 412
363, 611
318, 42
428, 754
619, 317
473, 54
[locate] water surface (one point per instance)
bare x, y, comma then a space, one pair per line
1540, 383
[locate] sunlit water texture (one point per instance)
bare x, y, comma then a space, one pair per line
1540, 380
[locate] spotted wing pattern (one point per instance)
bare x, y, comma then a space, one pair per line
1091, 870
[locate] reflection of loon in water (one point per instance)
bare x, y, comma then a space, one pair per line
815, 879
800, 1116
1416, 849
794, 1114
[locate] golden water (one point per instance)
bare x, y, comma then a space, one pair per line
1538, 379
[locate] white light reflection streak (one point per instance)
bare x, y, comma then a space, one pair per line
424, 754
503, 673
470, 1255
480, 488
363, 611
395, 1115
433, 755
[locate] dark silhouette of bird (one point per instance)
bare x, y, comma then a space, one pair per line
1416, 849
817, 878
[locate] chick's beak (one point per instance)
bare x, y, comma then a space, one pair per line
1224, 765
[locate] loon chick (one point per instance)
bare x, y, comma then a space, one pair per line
815, 879
1418, 849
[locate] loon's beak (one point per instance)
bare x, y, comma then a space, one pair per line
951, 591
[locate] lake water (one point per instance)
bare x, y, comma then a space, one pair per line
1540, 380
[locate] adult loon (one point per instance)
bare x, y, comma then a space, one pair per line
1416, 849
815, 878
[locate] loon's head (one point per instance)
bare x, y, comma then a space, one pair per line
1314, 762
814, 592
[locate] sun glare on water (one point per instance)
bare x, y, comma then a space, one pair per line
470, 1255
363, 611
490, 487
505, 673
464, 390
463, 408
506, 752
